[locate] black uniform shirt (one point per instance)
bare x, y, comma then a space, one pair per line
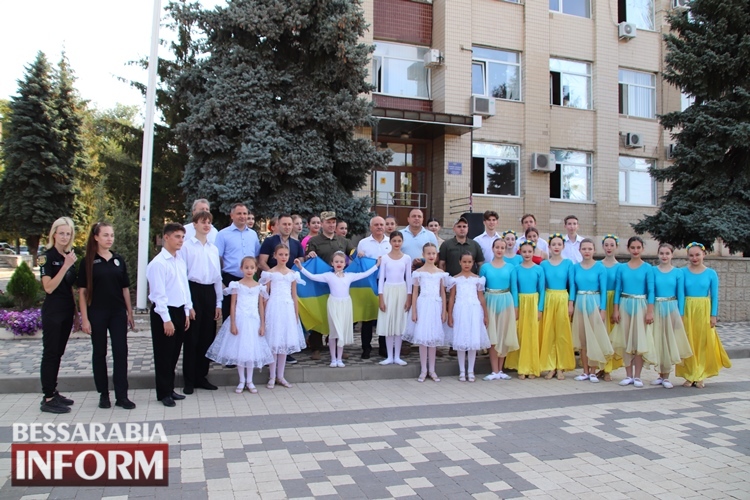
49, 265
110, 277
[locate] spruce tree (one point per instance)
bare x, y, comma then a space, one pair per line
708, 59
36, 185
273, 107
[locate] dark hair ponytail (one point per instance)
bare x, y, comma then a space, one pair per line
91, 248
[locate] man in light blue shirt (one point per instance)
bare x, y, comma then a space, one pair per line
235, 242
415, 236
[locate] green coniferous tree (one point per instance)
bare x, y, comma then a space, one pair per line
708, 59
36, 186
274, 106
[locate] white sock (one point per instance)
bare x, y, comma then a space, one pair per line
397, 347
472, 359
241, 370
461, 355
389, 341
423, 357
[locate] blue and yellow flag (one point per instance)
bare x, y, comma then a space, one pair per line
313, 296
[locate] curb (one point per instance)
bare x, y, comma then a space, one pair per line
295, 374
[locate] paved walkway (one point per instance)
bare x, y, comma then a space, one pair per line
19, 363
402, 439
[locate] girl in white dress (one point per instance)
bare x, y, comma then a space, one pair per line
340, 315
394, 294
467, 316
428, 313
241, 340
283, 328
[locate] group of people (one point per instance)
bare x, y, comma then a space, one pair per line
531, 302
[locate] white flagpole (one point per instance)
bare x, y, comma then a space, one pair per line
147, 162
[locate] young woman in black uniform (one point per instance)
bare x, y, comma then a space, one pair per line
57, 268
104, 299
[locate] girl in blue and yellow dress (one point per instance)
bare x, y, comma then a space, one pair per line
556, 342
633, 313
587, 307
530, 283
701, 309
501, 295
609, 245
510, 256
671, 346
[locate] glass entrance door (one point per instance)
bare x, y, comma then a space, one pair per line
403, 185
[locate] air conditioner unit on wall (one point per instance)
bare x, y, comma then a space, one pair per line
542, 162
670, 151
627, 30
432, 58
633, 140
484, 106
680, 4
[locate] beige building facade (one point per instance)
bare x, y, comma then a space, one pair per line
472, 94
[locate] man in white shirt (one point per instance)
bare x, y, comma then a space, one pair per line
200, 205
415, 236
572, 248
170, 314
490, 234
374, 246
527, 221
204, 278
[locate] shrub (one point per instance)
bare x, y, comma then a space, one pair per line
23, 286
6, 301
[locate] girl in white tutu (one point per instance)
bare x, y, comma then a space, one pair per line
283, 328
671, 345
394, 294
241, 340
428, 312
467, 316
340, 315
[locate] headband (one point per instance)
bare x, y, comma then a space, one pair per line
695, 244
555, 235
606, 236
509, 231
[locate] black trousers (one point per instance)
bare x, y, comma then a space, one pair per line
57, 322
226, 304
200, 335
166, 349
367, 328
116, 321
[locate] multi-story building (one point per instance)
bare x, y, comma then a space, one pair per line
536, 106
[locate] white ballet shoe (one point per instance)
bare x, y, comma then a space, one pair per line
251, 388
491, 376
340, 364
240, 388
333, 364
637, 382
626, 381
593, 379
399, 362
387, 361
502, 376
657, 381
666, 384
582, 376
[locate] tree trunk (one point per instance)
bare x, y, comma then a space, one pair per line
33, 243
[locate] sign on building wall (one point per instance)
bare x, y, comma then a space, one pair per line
455, 168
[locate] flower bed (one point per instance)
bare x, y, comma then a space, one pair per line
26, 322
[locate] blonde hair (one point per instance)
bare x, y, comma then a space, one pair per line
62, 221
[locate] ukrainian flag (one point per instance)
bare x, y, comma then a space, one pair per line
313, 296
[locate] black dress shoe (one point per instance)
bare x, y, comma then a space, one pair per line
104, 400
168, 401
188, 390
125, 403
54, 406
366, 355
207, 385
63, 399
177, 397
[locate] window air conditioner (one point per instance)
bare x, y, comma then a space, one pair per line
627, 30
542, 162
633, 140
484, 106
670, 151
680, 4
432, 58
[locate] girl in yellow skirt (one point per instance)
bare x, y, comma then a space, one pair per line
633, 313
609, 245
394, 295
701, 309
530, 283
671, 345
501, 296
556, 352
587, 307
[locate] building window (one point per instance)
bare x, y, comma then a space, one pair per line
496, 73
638, 12
494, 169
581, 8
686, 101
637, 94
570, 83
571, 179
399, 70
637, 187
